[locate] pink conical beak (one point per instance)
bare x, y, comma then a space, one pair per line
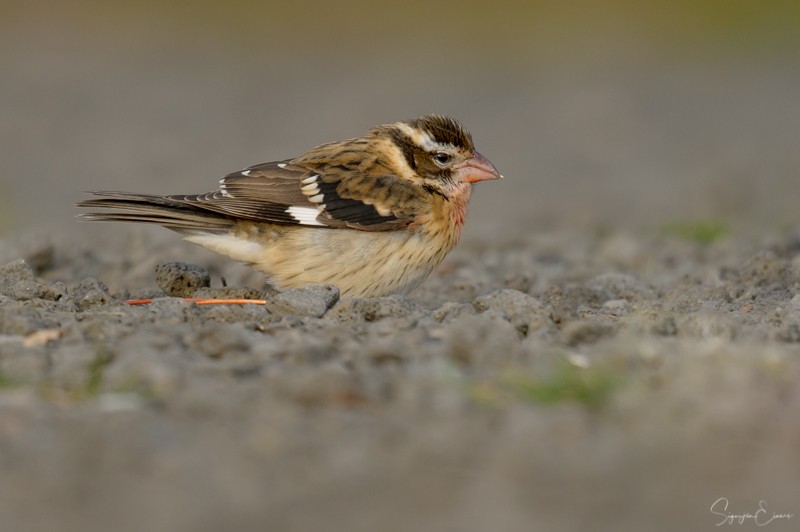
477, 168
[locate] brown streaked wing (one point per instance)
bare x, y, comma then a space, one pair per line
267, 193
260, 193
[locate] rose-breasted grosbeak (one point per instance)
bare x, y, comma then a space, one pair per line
372, 215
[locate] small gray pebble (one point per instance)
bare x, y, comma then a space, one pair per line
17, 280
89, 292
26, 290
93, 298
179, 279
18, 270
312, 301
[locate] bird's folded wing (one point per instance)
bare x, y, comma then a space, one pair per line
286, 193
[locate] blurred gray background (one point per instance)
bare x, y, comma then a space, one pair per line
607, 115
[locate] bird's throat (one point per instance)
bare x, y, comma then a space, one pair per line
458, 203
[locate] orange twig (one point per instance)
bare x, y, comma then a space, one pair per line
205, 301
201, 301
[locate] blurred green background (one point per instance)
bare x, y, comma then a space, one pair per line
601, 114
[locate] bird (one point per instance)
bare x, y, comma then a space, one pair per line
372, 215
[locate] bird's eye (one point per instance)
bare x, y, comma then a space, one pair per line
442, 158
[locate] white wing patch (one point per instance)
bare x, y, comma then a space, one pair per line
304, 215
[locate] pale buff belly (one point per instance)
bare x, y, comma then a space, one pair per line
359, 263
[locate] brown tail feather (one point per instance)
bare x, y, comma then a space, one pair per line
146, 208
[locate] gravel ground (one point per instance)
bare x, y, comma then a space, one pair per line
580, 362
567, 381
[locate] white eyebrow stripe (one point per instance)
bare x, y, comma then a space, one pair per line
304, 215
405, 128
423, 139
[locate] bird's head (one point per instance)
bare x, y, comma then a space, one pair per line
439, 151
